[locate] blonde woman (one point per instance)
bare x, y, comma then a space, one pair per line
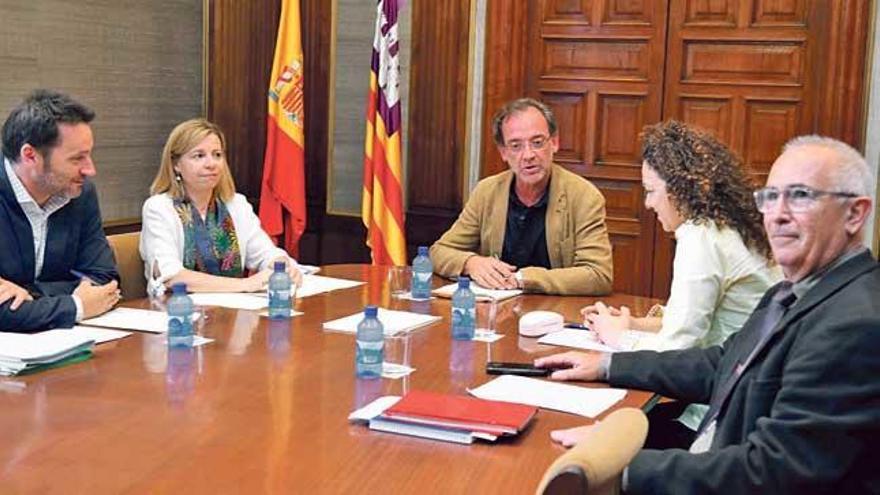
196, 229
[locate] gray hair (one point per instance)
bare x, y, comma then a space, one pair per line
516, 106
851, 174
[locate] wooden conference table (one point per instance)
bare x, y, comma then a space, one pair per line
264, 408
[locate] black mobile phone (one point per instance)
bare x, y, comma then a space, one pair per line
524, 369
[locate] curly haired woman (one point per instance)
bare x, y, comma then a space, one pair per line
722, 265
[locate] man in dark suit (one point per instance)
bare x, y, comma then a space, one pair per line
795, 395
56, 267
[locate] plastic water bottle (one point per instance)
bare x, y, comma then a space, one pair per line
370, 345
422, 270
279, 292
180, 312
464, 311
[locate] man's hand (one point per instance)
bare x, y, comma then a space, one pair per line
9, 290
490, 272
97, 299
571, 436
578, 366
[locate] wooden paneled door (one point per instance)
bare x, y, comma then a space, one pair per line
742, 70
599, 65
754, 72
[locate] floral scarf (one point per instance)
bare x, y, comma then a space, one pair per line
209, 245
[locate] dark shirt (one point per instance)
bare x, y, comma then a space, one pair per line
525, 240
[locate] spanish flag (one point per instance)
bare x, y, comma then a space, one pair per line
382, 207
282, 196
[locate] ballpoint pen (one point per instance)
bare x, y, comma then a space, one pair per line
575, 325
82, 276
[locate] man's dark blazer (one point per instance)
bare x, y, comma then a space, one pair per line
74, 240
804, 416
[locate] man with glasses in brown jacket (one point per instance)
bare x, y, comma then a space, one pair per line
537, 226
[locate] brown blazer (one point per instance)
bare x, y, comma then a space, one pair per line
577, 240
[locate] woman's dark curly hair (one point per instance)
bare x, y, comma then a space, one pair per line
705, 180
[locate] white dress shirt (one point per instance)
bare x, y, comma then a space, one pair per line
716, 284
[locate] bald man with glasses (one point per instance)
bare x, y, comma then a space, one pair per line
537, 226
794, 397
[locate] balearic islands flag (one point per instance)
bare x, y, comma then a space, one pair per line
382, 207
283, 190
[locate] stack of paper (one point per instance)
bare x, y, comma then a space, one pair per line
480, 292
450, 418
142, 320
393, 321
589, 402
25, 353
99, 335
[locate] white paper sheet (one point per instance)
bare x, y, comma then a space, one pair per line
589, 402
480, 292
99, 335
141, 320
317, 284
393, 321
579, 339
234, 300
40, 347
308, 269
374, 408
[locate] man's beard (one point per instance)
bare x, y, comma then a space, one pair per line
54, 184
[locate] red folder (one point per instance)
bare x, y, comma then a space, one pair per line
461, 412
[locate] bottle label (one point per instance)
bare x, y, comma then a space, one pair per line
370, 352
179, 326
421, 285
463, 320
280, 294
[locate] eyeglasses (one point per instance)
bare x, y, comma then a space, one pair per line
798, 198
536, 144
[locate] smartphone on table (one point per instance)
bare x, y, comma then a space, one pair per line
523, 369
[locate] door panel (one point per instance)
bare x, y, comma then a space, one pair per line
600, 68
742, 71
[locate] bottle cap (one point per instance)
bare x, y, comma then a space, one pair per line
371, 311
178, 289
280, 266
423, 250
464, 283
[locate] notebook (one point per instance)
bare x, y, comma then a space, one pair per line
461, 412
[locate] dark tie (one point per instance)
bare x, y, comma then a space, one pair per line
776, 308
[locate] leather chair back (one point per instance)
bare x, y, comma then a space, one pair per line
129, 264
